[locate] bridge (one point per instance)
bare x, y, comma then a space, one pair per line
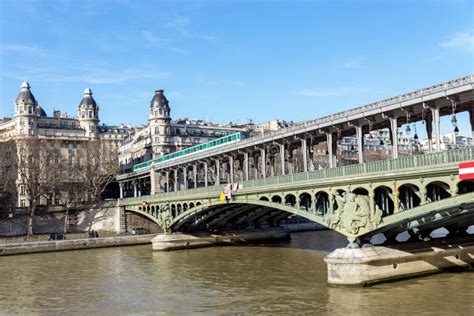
271, 177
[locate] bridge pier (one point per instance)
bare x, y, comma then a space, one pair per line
179, 241
365, 266
471, 118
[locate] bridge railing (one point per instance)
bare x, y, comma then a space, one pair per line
445, 157
455, 155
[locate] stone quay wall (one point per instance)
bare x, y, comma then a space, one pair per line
103, 217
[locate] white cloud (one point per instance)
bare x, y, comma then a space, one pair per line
332, 92
219, 82
178, 23
21, 49
354, 62
462, 40
160, 42
182, 26
90, 74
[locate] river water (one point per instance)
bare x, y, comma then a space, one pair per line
287, 278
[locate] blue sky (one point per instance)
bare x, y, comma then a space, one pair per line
229, 60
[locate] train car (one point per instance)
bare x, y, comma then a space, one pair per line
232, 138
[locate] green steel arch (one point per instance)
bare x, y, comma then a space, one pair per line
458, 208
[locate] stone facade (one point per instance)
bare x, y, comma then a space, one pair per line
162, 135
66, 134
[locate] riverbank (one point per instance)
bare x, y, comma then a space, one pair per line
73, 244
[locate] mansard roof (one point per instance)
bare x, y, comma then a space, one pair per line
40, 111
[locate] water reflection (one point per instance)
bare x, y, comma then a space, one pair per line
277, 278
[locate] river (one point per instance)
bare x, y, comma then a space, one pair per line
287, 278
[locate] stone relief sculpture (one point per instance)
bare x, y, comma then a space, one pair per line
353, 212
164, 217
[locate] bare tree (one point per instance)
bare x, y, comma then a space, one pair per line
69, 185
99, 167
7, 172
36, 172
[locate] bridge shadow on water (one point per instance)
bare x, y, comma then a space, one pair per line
318, 240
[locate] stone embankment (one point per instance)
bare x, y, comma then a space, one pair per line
73, 244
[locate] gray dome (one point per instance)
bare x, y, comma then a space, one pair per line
87, 99
159, 100
25, 95
40, 111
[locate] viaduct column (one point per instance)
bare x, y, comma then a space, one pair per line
330, 146
282, 158
264, 163
436, 121
176, 179
246, 165
185, 178
135, 190
205, 174
153, 188
394, 136
360, 143
429, 133
231, 169
121, 189
195, 175
218, 172
167, 175
471, 117
305, 154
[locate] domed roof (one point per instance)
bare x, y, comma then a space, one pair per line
25, 95
159, 100
87, 99
40, 111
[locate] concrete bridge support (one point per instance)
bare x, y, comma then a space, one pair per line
365, 266
429, 134
331, 149
246, 166
394, 136
360, 144
471, 118
437, 128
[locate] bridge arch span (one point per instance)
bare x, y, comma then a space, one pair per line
210, 215
465, 186
437, 190
361, 190
277, 198
290, 199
